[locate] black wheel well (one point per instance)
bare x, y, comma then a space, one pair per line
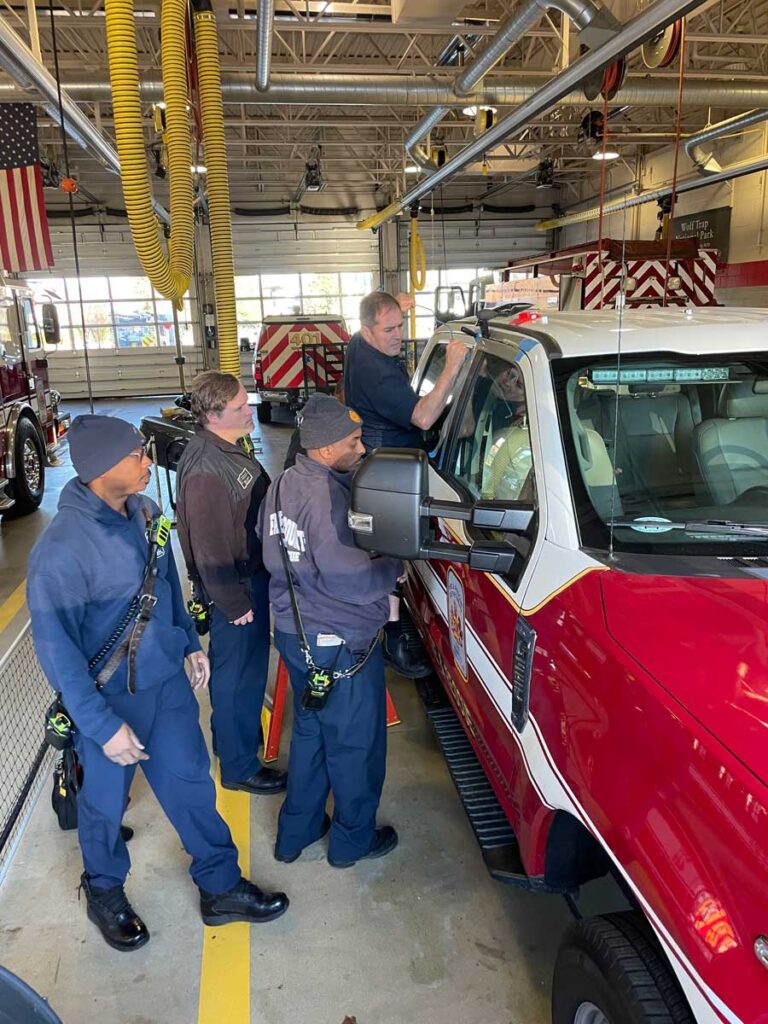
573, 855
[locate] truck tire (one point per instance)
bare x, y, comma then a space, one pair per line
264, 412
610, 971
28, 486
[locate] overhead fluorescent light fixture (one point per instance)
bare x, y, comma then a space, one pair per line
412, 169
609, 154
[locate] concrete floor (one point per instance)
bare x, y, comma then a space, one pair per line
423, 935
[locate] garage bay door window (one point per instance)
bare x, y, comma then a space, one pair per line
492, 455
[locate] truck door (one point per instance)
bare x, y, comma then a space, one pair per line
13, 380
488, 456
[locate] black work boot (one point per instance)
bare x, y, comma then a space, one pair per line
264, 782
245, 902
385, 839
113, 915
404, 652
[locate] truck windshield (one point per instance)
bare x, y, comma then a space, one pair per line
668, 451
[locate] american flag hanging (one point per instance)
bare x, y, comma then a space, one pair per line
24, 240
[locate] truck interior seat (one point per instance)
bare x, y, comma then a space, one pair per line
654, 441
732, 448
597, 470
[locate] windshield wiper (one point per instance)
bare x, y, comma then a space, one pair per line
654, 524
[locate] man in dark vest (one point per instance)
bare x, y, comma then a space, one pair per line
220, 486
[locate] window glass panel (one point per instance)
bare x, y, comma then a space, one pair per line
166, 333
425, 326
130, 288
68, 338
328, 304
247, 287
356, 284
187, 334
350, 307
284, 286
141, 309
320, 284
250, 332
93, 288
281, 307
493, 454
97, 313
100, 337
47, 288
248, 310
164, 311
132, 329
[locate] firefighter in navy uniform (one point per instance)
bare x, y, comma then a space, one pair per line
135, 706
329, 641
220, 486
377, 387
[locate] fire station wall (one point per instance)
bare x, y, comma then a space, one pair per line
260, 246
743, 279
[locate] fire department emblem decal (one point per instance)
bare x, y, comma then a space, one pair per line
457, 621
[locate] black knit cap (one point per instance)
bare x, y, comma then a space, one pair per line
324, 420
97, 443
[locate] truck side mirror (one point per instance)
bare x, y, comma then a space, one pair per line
390, 510
388, 492
51, 329
449, 303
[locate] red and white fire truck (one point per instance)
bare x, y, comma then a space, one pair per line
589, 545
296, 356
593, 276
31, 423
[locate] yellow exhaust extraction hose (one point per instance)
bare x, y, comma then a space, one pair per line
417, 266
212, 109
169, 275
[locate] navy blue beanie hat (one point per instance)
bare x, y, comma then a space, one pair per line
97, 443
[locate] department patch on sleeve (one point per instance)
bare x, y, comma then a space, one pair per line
245, 478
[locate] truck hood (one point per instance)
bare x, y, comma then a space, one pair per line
705, 641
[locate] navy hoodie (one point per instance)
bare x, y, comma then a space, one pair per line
82, 575
340, 588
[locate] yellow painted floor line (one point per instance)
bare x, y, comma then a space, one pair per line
225, 969
10, 608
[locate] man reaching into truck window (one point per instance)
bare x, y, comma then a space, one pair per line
377, 387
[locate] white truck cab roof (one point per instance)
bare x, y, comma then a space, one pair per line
602, 332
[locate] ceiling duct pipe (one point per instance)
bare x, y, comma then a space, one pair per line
739, 170
264, 44
635, 32
404, 91
595, 24
702, 158
21, 64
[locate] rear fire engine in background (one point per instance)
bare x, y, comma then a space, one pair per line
31, 423
296, 356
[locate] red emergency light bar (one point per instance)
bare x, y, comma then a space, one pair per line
526, 317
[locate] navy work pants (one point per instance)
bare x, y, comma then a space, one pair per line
166, 720
342, 749
239, 665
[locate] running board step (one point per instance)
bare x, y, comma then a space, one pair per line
495, 836
493, 832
